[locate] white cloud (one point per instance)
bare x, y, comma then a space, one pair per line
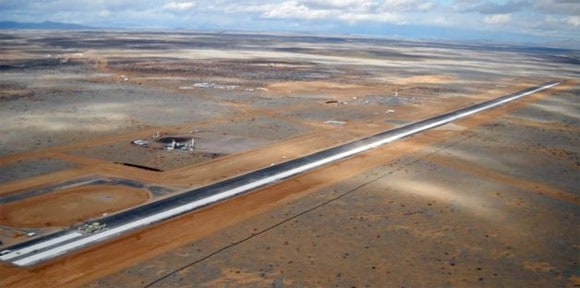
179, 6
350, 11
294, 9
442, 21
573, 20
384, 17
425, 6
564, 7
406, 5
105, 13
497, 19
336, 3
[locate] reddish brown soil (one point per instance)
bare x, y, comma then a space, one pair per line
71, 205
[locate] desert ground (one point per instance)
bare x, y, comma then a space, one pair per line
487, 201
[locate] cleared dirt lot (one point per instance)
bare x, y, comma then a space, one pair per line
487, 201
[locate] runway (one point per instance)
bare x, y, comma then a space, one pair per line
50, 246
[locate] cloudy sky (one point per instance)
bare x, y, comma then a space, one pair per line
504, 20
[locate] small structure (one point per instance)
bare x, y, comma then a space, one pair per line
140, 142
178, 143
169, 143
335, 122
90, 228
206, 85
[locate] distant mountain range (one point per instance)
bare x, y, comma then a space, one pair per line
42, 25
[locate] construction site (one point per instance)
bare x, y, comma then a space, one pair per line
96, 124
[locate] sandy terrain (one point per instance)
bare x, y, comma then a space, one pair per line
488, 201
70, 206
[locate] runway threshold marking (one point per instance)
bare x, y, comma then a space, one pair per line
50, 247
